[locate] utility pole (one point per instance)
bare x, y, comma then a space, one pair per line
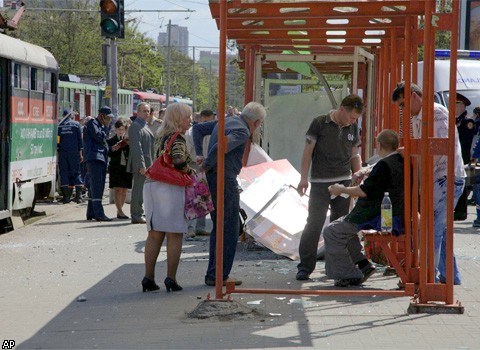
194, 94
168, 62
210, 87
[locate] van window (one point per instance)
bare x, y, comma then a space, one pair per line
472, 95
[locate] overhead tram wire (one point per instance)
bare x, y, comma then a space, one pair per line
84, 10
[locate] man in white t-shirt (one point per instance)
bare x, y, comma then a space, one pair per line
439, 173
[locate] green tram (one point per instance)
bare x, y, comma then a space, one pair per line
85, 100
28, 122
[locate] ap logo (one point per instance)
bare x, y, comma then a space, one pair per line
8, 344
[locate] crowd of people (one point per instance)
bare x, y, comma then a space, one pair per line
335, 177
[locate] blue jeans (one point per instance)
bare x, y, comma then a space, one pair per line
198, 224
231, 225
440, 226
97, 171
476, 196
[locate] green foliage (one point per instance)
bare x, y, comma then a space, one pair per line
74, 38
442, 38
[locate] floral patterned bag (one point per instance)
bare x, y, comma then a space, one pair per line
198, 201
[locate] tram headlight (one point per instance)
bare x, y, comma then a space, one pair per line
112, 20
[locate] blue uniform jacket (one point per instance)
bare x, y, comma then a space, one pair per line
237, 133
70, 136
95, 141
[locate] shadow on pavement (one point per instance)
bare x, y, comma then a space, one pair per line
116, 314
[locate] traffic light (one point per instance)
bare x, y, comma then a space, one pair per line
112, 18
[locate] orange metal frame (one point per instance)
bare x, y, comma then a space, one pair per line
390, 30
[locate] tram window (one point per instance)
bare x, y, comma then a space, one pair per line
53, 83
46, 82
16, 75
33, 78
24, 77
40, 80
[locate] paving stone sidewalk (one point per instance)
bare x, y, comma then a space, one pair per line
68, 283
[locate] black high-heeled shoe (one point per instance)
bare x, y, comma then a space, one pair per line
148, 285
172, 285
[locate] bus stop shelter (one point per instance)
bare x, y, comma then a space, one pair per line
378, 43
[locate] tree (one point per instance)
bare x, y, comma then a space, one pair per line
74, 38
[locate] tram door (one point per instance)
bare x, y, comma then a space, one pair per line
90, 105
79, 105
4, 132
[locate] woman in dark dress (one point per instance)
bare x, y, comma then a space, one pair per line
120, 179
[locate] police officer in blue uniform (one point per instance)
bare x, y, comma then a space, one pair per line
70, 147
466, 131
95, 136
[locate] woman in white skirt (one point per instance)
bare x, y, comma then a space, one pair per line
164, 204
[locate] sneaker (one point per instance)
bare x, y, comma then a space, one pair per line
476, 223
345, 282
368, 271
443, 280
302, 275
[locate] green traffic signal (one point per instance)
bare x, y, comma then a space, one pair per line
109, 26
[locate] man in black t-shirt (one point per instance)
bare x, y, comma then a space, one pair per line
331, 148
344, 260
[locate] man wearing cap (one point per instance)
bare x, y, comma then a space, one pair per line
440, 128
70, 147
139, 159
95, 136
466, 131
331, 148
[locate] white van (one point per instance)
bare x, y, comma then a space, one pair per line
468, 81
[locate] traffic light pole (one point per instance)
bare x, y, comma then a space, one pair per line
114, 76
108, 56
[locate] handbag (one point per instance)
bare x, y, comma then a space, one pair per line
198, 200
162, 169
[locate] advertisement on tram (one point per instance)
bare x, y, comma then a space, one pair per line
28, 98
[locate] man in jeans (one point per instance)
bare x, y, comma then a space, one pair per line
331, 148
440, 127
237, 131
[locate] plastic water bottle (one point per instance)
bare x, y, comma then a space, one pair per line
386, 213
